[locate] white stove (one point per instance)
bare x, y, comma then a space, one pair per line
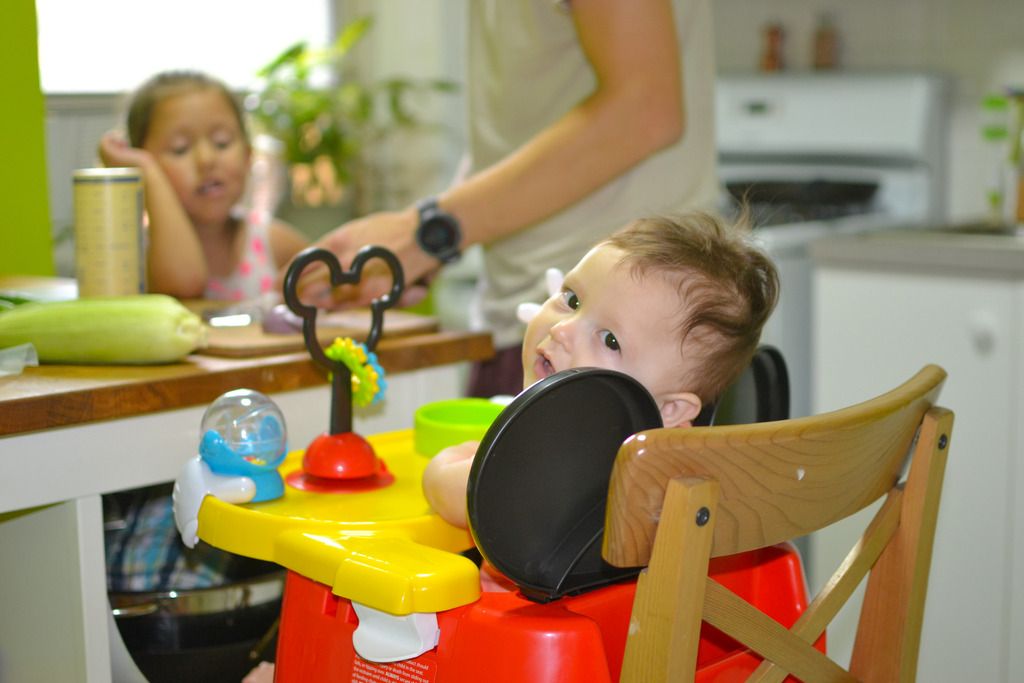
820, 155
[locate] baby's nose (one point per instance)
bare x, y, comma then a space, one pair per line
563, 332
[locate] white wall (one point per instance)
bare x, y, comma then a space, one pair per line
78, 52
421, 40
74, 124
979, 43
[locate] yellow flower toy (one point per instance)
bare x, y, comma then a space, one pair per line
368, 383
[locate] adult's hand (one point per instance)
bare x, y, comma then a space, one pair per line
393, 230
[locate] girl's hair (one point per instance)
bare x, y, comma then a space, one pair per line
167, 84
727, 289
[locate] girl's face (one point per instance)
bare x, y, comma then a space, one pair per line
196, 138
606, 318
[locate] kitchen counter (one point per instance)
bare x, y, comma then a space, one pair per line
969, 249
69, 434
61, 395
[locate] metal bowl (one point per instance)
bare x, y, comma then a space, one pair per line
208, 634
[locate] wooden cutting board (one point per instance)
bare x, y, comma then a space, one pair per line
251, 340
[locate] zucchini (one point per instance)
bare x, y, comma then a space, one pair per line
127, 330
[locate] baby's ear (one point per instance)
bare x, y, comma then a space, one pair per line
679, 410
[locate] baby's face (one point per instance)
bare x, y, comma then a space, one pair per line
197, 140
606, 318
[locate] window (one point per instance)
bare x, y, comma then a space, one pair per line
111, 46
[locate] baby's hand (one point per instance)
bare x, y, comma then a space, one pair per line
445, 480
114, 150
456, 453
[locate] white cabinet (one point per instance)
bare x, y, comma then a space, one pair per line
877, 321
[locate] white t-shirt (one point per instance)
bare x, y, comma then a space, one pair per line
526, 70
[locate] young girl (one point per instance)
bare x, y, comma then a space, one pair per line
186, 134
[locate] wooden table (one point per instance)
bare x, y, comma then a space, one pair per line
69, 434
51, 396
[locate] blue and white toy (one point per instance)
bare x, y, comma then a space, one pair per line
243, 441
243, 433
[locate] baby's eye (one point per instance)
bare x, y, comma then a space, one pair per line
570, 299
610, 341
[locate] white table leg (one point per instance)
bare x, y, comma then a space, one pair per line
53, 625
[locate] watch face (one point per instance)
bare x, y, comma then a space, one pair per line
439, 236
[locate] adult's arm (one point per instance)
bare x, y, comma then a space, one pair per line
635, 110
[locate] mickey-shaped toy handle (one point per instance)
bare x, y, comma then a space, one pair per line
341, 384
341, 455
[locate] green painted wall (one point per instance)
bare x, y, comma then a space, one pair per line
25, 244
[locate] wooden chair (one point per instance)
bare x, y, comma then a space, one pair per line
724, 490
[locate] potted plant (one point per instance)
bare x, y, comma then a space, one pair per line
329, 120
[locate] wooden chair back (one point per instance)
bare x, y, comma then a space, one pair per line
678, 497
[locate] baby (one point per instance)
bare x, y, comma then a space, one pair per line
676, 303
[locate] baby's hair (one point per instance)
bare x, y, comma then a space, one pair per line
164, 85
727, 289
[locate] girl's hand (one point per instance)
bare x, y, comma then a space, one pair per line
114, 150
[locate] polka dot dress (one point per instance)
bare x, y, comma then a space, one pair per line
255, 273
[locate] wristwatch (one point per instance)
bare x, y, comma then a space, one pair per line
438, 233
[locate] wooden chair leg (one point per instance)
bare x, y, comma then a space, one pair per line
823, 609
889, 632
737, 618
664, 628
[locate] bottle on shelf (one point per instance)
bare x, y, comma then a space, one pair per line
771, 56
826, 44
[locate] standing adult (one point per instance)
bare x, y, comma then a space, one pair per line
582, 116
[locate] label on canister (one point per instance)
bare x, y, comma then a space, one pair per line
109, 249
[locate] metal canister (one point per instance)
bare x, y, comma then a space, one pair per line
109, 248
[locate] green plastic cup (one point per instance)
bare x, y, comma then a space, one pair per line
446, 423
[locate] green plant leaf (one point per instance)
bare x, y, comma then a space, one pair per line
288, 56
350, 35
340, 120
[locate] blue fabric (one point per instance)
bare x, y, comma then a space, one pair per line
144, 551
